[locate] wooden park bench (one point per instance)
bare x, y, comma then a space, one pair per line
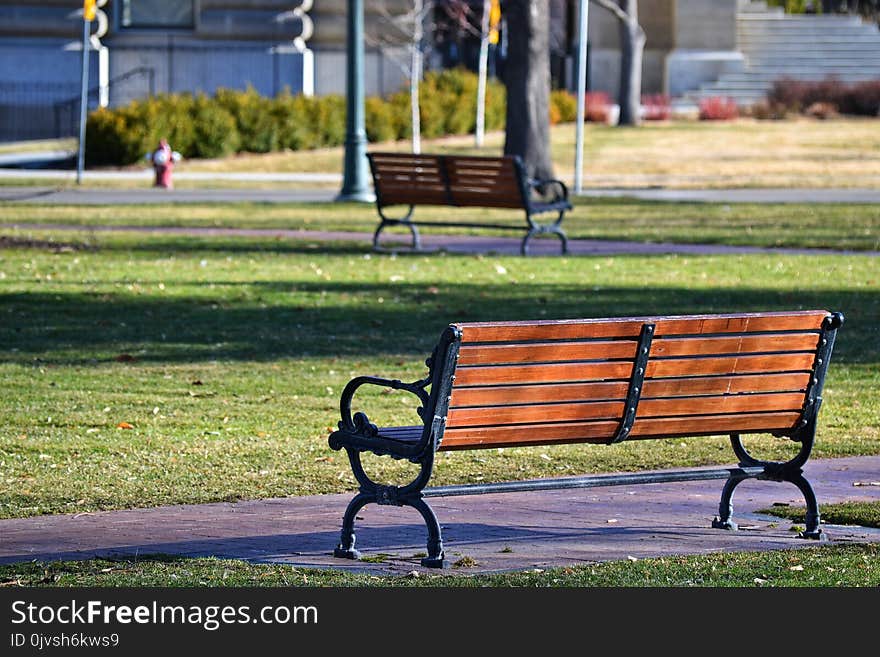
463, 181
512, 384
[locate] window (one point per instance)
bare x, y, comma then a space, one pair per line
158, 13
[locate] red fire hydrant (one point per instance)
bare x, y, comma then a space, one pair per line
163, 159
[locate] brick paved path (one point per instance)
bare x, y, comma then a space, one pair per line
512, 531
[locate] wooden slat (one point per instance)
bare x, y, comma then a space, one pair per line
708, 425
567, 351
495, 395
477, 187
538, 373
384, 168
592, 371
653, 389
536, 434
414, 190
649, 408
560, 330
490, 202
679, 406
535, 413
579, 432
630, 326
402, 434
408, 158
545, 352
410, 198
730, 365
401, 430
484, 181
398, 182
385, 172
748, 383
665, 347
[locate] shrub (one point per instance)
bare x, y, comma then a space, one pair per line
327, 114
105, 138
860, 98
718, 108
451, 106
563, 107
232, 121
765, 110
496, 105
291, 117
257, 127
656, 107
822, 111
597, 106
793, 6
214, 130
401, 114
379, 119
863, 99
172, 119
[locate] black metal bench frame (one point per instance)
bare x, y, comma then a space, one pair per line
356, 434
531, 208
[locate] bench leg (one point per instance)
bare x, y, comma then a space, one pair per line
538, 229
812, 530
435, 540
789, 471
409, 495
405, 221
345, 549
725, 507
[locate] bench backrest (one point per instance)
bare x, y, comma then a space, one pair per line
405, 179
529, 383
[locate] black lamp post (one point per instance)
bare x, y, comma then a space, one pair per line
355, 186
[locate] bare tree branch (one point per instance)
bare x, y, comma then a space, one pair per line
615, 9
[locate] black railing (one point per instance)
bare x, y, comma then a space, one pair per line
50, 110
66, 110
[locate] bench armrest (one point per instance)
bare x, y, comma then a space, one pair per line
541, 186
359, 422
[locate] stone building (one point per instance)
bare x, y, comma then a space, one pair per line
153, 46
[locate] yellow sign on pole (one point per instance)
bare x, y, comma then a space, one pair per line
89, 9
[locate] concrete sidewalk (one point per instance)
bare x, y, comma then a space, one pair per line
498, 531
463, 244
145, 195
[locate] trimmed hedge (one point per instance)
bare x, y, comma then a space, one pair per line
243, 121
857, 98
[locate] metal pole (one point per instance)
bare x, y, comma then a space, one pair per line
83, 102
354, 178
583, 12
480, 131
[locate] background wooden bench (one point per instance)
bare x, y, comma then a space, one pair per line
513, 384
463, 181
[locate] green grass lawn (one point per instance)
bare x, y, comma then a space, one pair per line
865, 514
145, 369
836, 226
850, 565
800, 153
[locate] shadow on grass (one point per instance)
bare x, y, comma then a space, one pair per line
261, 321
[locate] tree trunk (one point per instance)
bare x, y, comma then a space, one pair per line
632, 47
527, 78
